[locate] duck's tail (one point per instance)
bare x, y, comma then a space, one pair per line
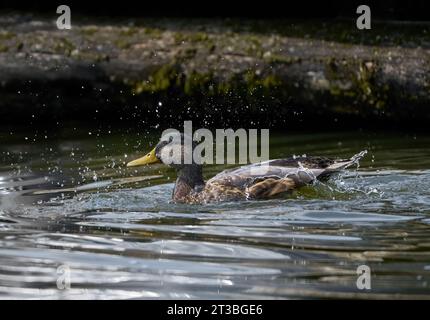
345, 163
339, 165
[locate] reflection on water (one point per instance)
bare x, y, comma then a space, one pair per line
73, 202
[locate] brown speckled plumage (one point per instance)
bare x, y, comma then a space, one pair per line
260, 181
251, 182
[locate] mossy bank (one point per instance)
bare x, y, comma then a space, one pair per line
223, 72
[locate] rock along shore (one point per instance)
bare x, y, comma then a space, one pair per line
229, 72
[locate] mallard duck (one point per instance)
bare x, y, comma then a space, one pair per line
264, 180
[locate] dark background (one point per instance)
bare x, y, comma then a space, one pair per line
389, 9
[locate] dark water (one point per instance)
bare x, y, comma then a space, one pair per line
69, 201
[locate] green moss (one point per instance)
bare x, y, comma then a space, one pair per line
279, 59
226, 86
123, 43
212, 47
128, 32
190, 37
153, 32
198, 83
89, 31
161, 80
101, 58
199, 37
260, 84
6, 35
240, 84
363, 89
186, 54
364, 81
90, 55
368, 90
64, 46
170, 77
3, 48
179, 38
255, 47
270, 81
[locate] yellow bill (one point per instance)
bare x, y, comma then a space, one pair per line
148, 159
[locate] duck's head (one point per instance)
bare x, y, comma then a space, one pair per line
174, 149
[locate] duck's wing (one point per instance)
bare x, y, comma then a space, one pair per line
284, 173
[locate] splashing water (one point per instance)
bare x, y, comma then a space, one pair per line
122, 237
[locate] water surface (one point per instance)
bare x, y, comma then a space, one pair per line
68, 200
